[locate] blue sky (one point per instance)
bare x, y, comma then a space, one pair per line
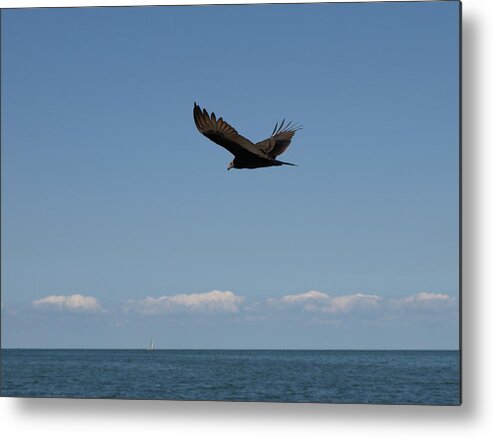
120, 221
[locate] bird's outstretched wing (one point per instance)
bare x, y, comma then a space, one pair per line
279, 139
222, 133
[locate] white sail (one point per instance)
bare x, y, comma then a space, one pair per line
151, 346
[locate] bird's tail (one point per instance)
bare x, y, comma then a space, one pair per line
286, 163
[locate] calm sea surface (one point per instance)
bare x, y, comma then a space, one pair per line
383, 377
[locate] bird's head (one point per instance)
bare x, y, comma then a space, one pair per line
231, 165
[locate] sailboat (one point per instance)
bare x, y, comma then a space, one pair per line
151, 346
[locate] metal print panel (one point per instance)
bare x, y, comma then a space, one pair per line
232, 203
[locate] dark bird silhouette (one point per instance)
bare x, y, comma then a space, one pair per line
246, 153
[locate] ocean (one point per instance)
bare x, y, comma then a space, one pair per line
321, 376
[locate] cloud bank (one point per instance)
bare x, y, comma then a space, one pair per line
75, 302
212, 302
424, 299
316, 301
359, 303
312, 305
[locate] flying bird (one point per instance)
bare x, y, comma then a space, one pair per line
246, 153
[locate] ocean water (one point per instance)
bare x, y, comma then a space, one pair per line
377, 377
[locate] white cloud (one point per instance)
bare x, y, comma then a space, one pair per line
317, 301
320, 303
423, 301
214, 301
352, 302
312, 304
75, 302
304, 297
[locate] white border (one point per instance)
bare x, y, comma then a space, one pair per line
62, 3
20, 417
